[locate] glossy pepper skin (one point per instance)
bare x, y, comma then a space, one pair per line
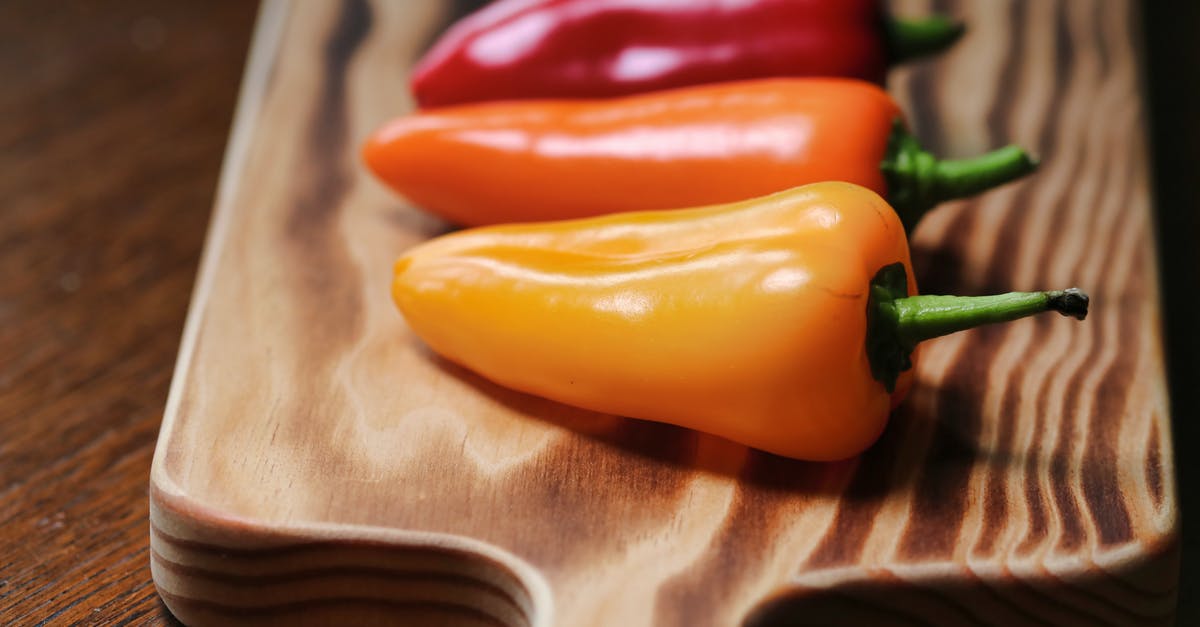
555, 159
787, 323
518, 49
746, 321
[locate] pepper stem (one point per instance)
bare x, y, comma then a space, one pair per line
898, 322
917, 180
920, 318
909, 39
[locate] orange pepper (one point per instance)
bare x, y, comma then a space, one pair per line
555, 159
785, 323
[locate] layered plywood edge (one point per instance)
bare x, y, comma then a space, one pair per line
317, 466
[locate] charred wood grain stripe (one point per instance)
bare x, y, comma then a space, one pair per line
288, 611
333, 548
763, 504
326, 300
335, 552
685, 600
573, 490
326, 276
996, 491
1071, 532
937, 509
284, 577
468, 588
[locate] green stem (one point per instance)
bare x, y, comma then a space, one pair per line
898, 322
909, 39
920, 318
917, 180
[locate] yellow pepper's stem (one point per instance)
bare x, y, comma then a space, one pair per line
898, 322
920, 318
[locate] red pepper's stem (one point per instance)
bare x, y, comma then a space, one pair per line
917, 180
913, 38
898, 322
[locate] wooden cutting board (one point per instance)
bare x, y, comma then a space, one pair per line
316, 465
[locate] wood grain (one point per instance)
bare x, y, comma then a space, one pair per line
315, 463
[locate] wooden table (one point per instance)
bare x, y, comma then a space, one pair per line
113, 121
112, 125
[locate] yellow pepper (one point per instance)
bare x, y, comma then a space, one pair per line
785, 323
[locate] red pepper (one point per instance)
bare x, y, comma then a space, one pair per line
517, 49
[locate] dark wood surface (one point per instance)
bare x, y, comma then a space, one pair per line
113, 120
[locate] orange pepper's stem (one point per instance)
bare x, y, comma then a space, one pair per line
909, 39
899, 322
917, 180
